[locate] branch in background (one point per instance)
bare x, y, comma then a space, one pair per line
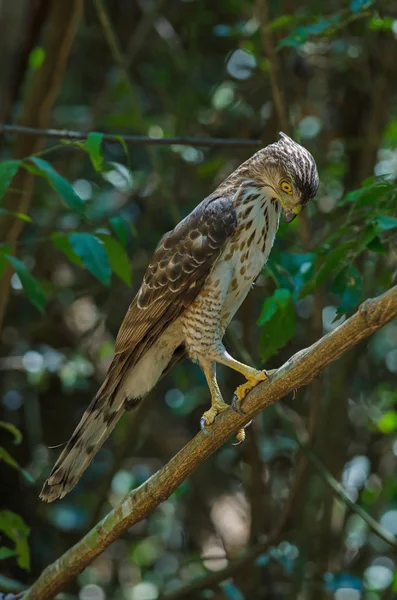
139, 35
268, 46
297, 431
279, 531
114, 46
43, 90
66, 134
299, 370
121, 62
277, 534
306, 239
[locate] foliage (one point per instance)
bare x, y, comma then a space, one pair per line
100, 207
17, 531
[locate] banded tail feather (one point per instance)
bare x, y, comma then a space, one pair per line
95, 426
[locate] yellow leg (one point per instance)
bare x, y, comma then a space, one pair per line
218, 405
252, 375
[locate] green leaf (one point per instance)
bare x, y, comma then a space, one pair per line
59, 183
282, 22
348, 285
93, 145
365, 237
17, 215
118, 258
36, 57
8, 169
4, 250
4, 455
391, 132
125, 148
93, 254
7, 553
334, 261
62, 242
301, 34
376, 245
292, 270
377, 23
231, 591
269, 308
296, 39
120, 228
13, 430
14, 527
7, 458
384, 222
370, 192
31, 286
278, 318
394, 584
357, 6
387, 422
322, 25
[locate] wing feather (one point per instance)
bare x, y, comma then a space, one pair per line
176, 274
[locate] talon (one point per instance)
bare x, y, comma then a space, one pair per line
209, 416
236, 406
203, 428
240, 436
242, 390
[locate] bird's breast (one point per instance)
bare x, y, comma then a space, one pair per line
248, 249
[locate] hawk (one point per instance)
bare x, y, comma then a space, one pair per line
197, 279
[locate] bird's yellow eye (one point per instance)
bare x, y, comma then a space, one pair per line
286, 187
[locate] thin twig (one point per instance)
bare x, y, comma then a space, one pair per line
268, 46
114, 138
117, 55
299, 370
300, 436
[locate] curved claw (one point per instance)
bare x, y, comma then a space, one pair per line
240, 437
239, 442
241, 434
203, 427
236, 406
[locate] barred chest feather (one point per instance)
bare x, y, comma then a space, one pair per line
249, 248
233, 273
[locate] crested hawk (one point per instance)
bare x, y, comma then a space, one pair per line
196, 281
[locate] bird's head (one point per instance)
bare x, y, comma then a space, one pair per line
287, 172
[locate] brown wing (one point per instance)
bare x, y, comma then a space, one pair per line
177, 272
175, 276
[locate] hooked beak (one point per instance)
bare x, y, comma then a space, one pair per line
290, 214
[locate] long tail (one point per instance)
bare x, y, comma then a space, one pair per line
95, 426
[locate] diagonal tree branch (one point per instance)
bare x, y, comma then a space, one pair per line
67, 134
299, 370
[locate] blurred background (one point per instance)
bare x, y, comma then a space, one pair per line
80, 222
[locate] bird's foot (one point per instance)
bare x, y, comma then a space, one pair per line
241, 435
243, 389
208, 417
